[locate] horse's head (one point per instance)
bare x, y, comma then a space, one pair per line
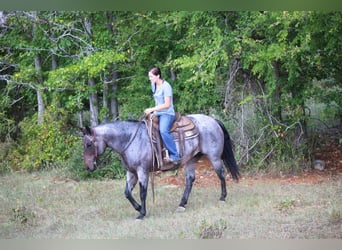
92, 148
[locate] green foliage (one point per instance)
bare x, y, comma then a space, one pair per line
5, 149
335, 216
89, 66
110, 166
22, 215
46, 145
289, 56
7, 126
329, 92
286, 206
212, 231
203, 44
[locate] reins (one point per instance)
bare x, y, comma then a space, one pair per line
149, 132
130, 141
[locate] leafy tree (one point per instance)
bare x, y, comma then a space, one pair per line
256, 70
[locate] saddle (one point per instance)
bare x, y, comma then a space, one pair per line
182, 129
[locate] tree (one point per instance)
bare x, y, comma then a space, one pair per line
256, 70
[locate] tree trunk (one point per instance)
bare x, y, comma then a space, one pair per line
233, 69
54, 62
93, 103
277, 93
114, 109
80, 119
173, 74
38, 68
105, 100
110, 102
93, 98
112, 78
40, 99
41, 106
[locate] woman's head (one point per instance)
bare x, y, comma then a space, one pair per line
154, 74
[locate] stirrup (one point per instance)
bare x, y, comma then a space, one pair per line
174, 162
169, 166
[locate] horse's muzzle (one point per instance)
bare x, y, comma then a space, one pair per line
92, 167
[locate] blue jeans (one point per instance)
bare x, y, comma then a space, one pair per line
165, 123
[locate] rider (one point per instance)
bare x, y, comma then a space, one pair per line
162, 94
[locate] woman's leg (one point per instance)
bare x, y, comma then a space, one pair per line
165, 123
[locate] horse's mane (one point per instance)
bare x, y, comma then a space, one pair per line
116, 121
131, 120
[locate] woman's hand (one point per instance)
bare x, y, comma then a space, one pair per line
148, 111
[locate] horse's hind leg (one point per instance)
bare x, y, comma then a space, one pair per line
189, 180
219, 169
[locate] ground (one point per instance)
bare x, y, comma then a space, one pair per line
328, 149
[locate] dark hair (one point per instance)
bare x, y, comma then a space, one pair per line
156, 71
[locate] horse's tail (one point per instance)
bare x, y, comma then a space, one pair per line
228, 154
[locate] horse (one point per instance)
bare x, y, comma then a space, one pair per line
130, 139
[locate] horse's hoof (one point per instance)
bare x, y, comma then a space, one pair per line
139, 218
180, 209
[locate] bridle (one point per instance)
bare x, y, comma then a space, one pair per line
94, 143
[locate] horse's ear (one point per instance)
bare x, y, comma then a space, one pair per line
85, 131
89, 132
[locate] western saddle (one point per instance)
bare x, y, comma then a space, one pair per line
182, 129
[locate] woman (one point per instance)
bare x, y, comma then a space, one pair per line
162, 94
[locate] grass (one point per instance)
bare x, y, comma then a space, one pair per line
46, 205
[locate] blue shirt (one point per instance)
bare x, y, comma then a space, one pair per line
159, 98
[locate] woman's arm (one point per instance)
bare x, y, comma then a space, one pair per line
165, 105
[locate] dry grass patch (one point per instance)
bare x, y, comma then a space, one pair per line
46, 205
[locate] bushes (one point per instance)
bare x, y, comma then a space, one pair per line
110, 166
46, 145
54, 143
5, 148
279, 148
265, 145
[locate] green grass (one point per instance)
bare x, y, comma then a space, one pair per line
47, 205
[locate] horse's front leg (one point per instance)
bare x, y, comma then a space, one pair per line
143, 183
190, 178
131, 181
143, 195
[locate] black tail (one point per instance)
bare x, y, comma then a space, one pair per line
228, 154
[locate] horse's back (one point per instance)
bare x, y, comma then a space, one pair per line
210, 132
204, 122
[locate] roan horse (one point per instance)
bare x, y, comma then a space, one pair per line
131, 141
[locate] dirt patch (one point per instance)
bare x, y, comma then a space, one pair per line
206, 176
329, 151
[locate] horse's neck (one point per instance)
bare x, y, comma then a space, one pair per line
120, 135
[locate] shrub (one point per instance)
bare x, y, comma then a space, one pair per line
5, 148
46, 145
212, 231
110, 166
